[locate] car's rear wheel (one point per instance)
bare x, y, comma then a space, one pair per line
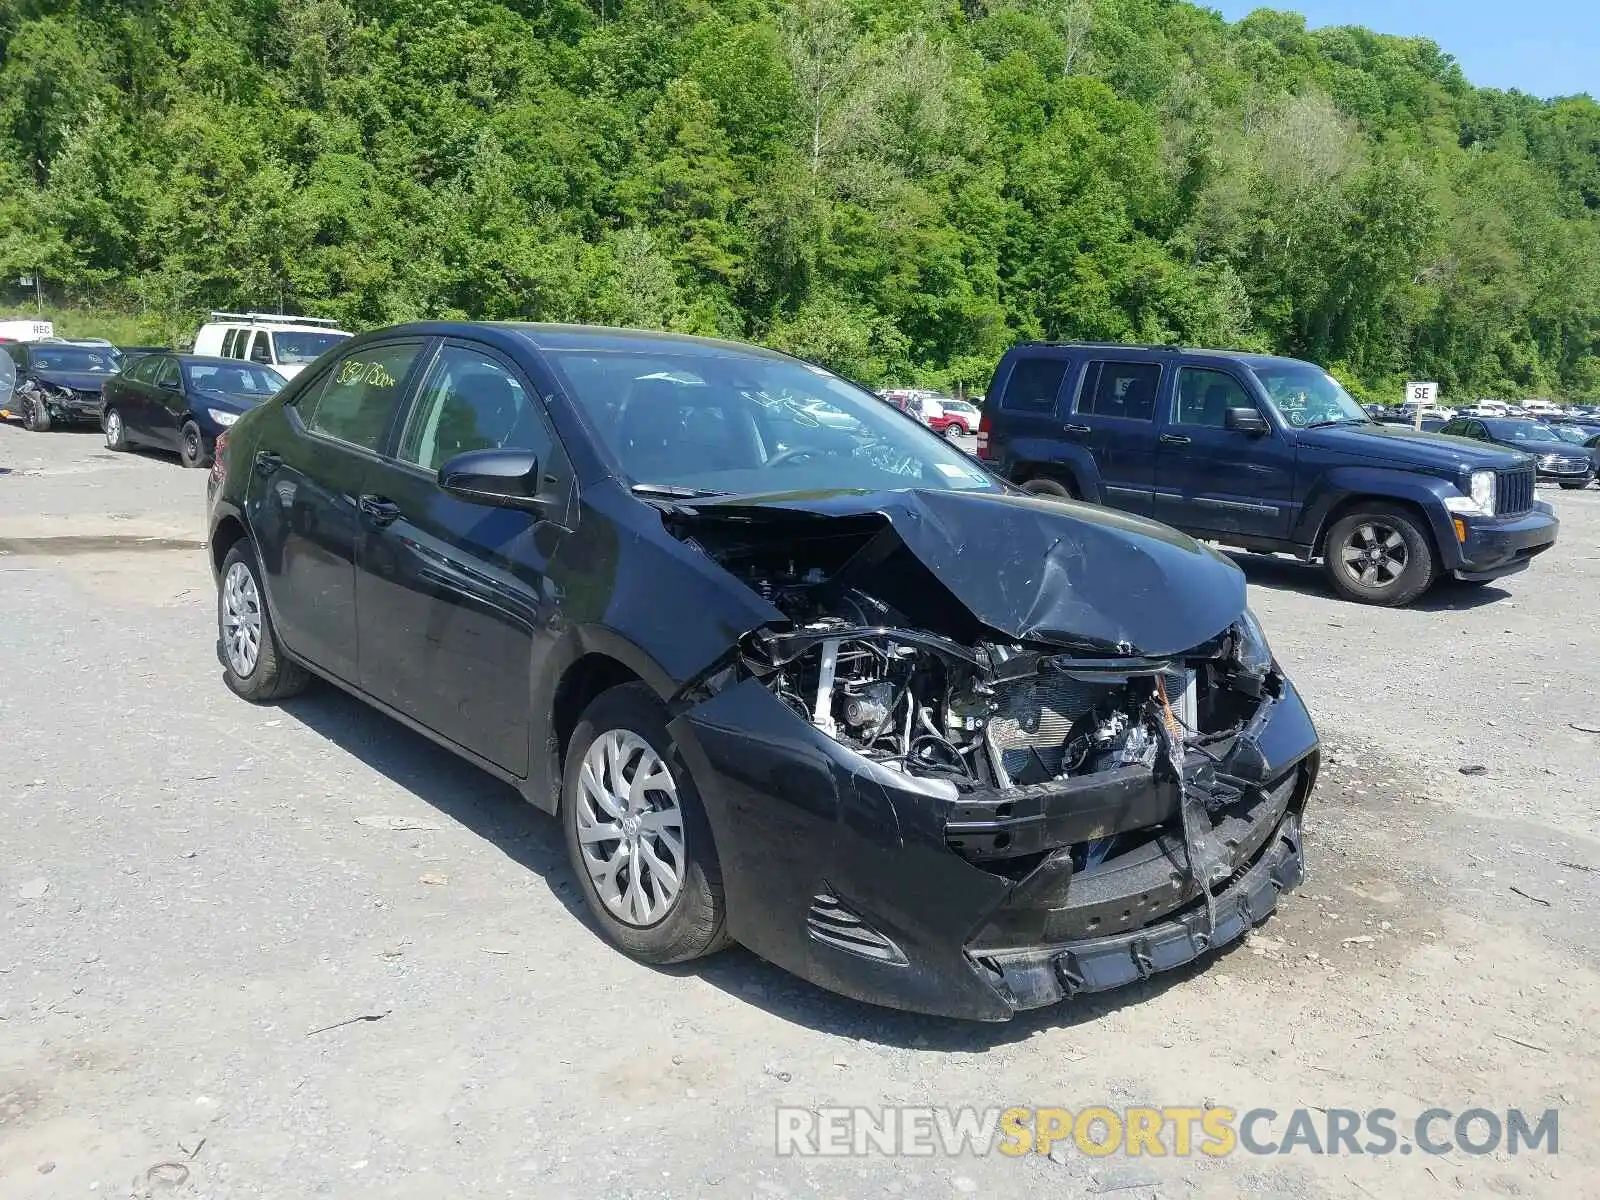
116, 432
253, 663
35, 417
192, 446
1380, 555
1050, 488
637, 834
955, 431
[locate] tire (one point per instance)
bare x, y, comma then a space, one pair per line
1380, 555
954, 431
192, 446
35, 417
116, 430
692, 921
269, 675
1050, 489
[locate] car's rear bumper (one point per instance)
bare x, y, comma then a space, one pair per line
1497, 547
847, 874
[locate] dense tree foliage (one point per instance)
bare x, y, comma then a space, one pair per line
899, 188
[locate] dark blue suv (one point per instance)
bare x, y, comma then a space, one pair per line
1263, 453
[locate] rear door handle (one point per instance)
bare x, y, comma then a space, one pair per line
378, 510
1074, 429
267, 462
1174, 439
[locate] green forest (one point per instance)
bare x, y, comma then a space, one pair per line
896, 188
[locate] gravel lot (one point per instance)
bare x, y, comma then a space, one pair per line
192, 886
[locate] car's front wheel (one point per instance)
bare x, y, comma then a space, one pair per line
116, 431
192, 446
1380, 555
637, 834
35, 417
253, 663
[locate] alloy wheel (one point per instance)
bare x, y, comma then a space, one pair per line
630, 828
113, 429
241, 619
1374, 555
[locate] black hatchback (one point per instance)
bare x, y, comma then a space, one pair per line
182, 402
792, 670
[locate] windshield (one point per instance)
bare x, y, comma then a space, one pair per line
1307, 396
73, 358
735, 423
301, 346
1570, 434
1521, 431
240, 379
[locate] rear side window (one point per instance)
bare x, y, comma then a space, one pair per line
1034, 385
359, 395
227, 343
1120, 389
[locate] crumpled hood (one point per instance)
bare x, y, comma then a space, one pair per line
1074, 575
78, 381
1403, 446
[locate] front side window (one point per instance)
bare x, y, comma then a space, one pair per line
1204, 397
1307, 397
145, 370
261, 348
359, 394
168, 376
735, 422
1120, 389
471, 401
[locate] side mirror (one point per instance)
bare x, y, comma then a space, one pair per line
500, 478
1246, 420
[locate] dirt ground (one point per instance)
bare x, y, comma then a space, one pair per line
193, 888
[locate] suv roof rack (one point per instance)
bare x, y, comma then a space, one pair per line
260, 318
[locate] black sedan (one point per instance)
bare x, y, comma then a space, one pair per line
823, 687
182, 402
1555, 459
1586, 437
54, 383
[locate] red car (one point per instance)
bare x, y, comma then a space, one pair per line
953, 417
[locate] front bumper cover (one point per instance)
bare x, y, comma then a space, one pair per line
843, 871
1497, 547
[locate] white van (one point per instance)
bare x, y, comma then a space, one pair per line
1541, 408
273, 339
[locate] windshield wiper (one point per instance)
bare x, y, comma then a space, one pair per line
674, 491
1340, 421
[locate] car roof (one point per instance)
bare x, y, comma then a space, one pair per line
1249, 357
553, 337
206, 359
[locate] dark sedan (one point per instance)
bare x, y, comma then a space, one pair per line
825, 688
182, 402
1585, 437
55, 383
1555, 459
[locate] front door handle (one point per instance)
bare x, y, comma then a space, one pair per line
1074, 429
1174, 439
379, 511
267, 462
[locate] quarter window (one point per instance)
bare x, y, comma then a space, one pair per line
470, 401
1120, 389
1204, 397
359, 395
1034, 385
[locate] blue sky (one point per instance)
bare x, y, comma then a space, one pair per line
1546, 47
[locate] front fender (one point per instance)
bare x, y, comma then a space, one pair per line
1426, 492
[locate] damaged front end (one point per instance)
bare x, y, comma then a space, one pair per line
938, 815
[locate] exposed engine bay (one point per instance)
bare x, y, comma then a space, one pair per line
933, 693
